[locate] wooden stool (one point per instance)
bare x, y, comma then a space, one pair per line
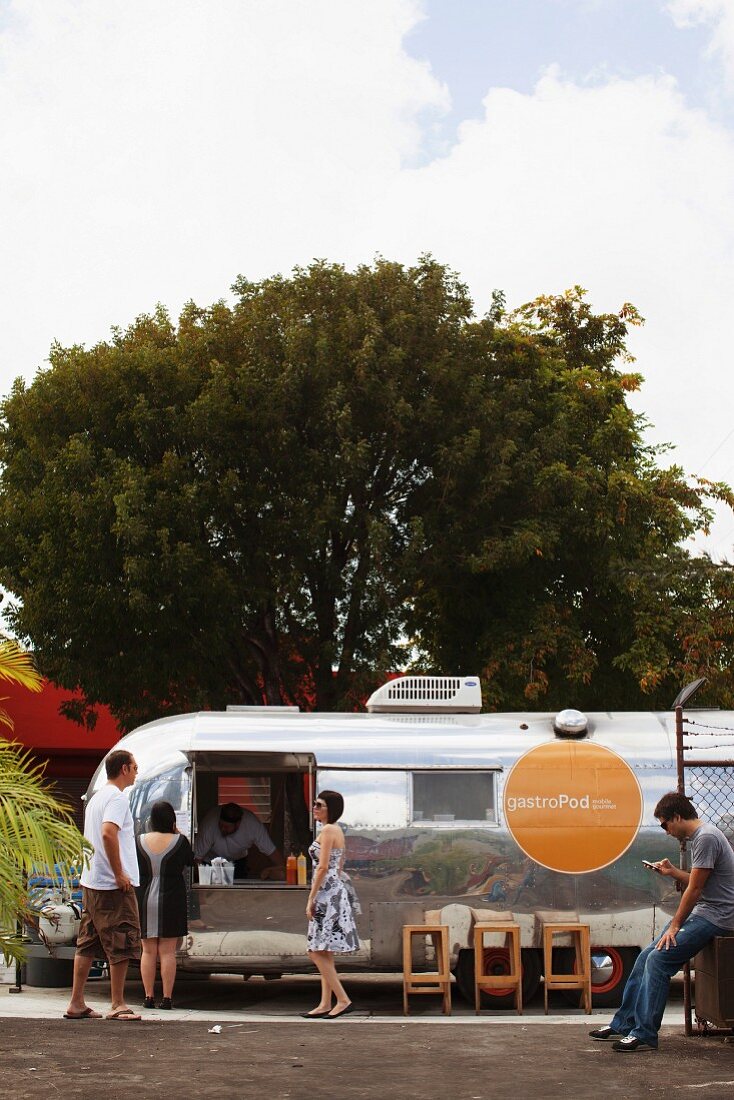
581, 979
511, 932
438, 981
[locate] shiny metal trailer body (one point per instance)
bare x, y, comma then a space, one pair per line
401, 863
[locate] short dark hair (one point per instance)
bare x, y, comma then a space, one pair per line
672, 804
334, 804
231, 813
162, 817
116, 761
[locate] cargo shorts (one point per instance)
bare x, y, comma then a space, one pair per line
110, 925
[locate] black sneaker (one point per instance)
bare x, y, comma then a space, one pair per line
165, 1003
604, 1033
148, 1002
630, 1045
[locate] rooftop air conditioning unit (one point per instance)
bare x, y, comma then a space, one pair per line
428, 695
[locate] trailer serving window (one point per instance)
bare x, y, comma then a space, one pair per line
277, 787
454, 796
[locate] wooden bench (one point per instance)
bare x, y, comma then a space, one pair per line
714, 984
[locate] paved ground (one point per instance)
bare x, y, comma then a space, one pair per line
265, 1050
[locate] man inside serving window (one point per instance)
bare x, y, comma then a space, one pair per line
229, 832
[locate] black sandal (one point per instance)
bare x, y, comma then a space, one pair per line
148, 1002
166, 1003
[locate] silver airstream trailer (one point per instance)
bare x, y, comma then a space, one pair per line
445, 809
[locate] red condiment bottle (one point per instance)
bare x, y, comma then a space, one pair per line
291, 871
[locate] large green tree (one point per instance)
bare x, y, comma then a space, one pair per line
567, 579
281, 499
218, 511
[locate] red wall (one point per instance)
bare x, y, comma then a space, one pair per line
70, 749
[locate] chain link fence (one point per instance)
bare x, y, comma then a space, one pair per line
706, 776
711, 790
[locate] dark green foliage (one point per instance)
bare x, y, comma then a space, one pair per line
265, 501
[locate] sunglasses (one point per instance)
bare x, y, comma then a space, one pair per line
319, 805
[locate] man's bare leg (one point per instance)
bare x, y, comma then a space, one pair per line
82, 966
118, 973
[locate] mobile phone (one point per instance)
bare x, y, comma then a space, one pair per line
650, 866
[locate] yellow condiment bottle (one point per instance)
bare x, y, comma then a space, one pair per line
301, 865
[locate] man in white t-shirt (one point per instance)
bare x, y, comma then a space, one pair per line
110, 921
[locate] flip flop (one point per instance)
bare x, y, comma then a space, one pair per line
123, 1014
87, 1014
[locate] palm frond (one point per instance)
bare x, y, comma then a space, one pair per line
17, 665
11, 946
37, 832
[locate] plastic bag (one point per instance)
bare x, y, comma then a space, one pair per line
222, 872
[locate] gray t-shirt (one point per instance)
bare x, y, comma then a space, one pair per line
711, 849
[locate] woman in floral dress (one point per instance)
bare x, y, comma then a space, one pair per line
331, 908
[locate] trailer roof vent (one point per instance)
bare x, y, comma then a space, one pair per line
429, 695
570, 723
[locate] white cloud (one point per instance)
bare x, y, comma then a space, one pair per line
154, 149
718, 13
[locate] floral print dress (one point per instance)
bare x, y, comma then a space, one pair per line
333, 927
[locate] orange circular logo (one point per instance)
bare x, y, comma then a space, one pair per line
572, 806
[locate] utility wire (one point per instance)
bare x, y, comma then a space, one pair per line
715, 451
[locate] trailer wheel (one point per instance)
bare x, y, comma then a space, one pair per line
496, 961
610, 969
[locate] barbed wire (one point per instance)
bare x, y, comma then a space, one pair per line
719, 745
704, 726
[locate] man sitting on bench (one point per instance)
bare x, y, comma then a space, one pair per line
706, 909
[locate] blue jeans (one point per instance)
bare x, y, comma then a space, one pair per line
643, 1002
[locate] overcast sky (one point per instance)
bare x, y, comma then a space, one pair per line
152, 150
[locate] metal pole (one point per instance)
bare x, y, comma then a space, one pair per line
681, 770
18, 988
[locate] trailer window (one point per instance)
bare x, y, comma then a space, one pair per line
440, 797
170, 786
374, 799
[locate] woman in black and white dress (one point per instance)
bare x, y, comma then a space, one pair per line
331, 908
163, 854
